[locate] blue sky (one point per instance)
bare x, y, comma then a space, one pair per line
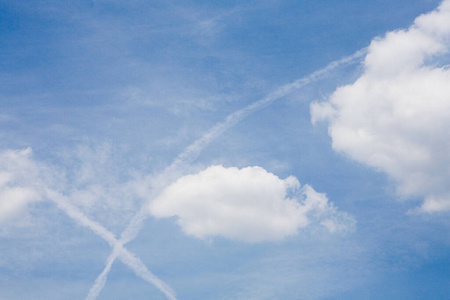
259, 150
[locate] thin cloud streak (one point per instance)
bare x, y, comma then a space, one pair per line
125, 256
100, 281
138, 268
193, 151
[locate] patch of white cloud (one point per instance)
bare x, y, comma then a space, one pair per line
19, 183
396, 116
248, 204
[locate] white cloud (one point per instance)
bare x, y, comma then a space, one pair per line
248, 204
18, 183
396, 116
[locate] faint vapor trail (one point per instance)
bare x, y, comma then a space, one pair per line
193, 151
101, 279
136, 265
125, 256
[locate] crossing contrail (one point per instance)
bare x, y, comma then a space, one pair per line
125, 256
172, 172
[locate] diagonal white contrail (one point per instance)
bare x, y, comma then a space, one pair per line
193, 151
125, 256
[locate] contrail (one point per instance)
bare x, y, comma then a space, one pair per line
125, 256
193, 151
101, 279
136, 265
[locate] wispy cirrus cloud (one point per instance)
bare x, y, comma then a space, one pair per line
395, 117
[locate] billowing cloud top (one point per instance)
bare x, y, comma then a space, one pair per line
396, 116
18, 183
248, 204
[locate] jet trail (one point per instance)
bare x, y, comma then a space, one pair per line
193, 151
101, 279
125, 256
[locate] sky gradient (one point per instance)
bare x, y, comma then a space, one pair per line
237, 150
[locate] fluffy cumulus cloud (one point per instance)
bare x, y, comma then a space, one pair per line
18, 183
396, 116
248, 204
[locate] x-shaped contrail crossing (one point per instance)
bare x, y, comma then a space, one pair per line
169, 175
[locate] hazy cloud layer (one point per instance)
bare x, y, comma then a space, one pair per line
395, 117
248, 204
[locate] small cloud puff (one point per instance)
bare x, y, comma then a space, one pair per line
18, 183
396, 116
249, 204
